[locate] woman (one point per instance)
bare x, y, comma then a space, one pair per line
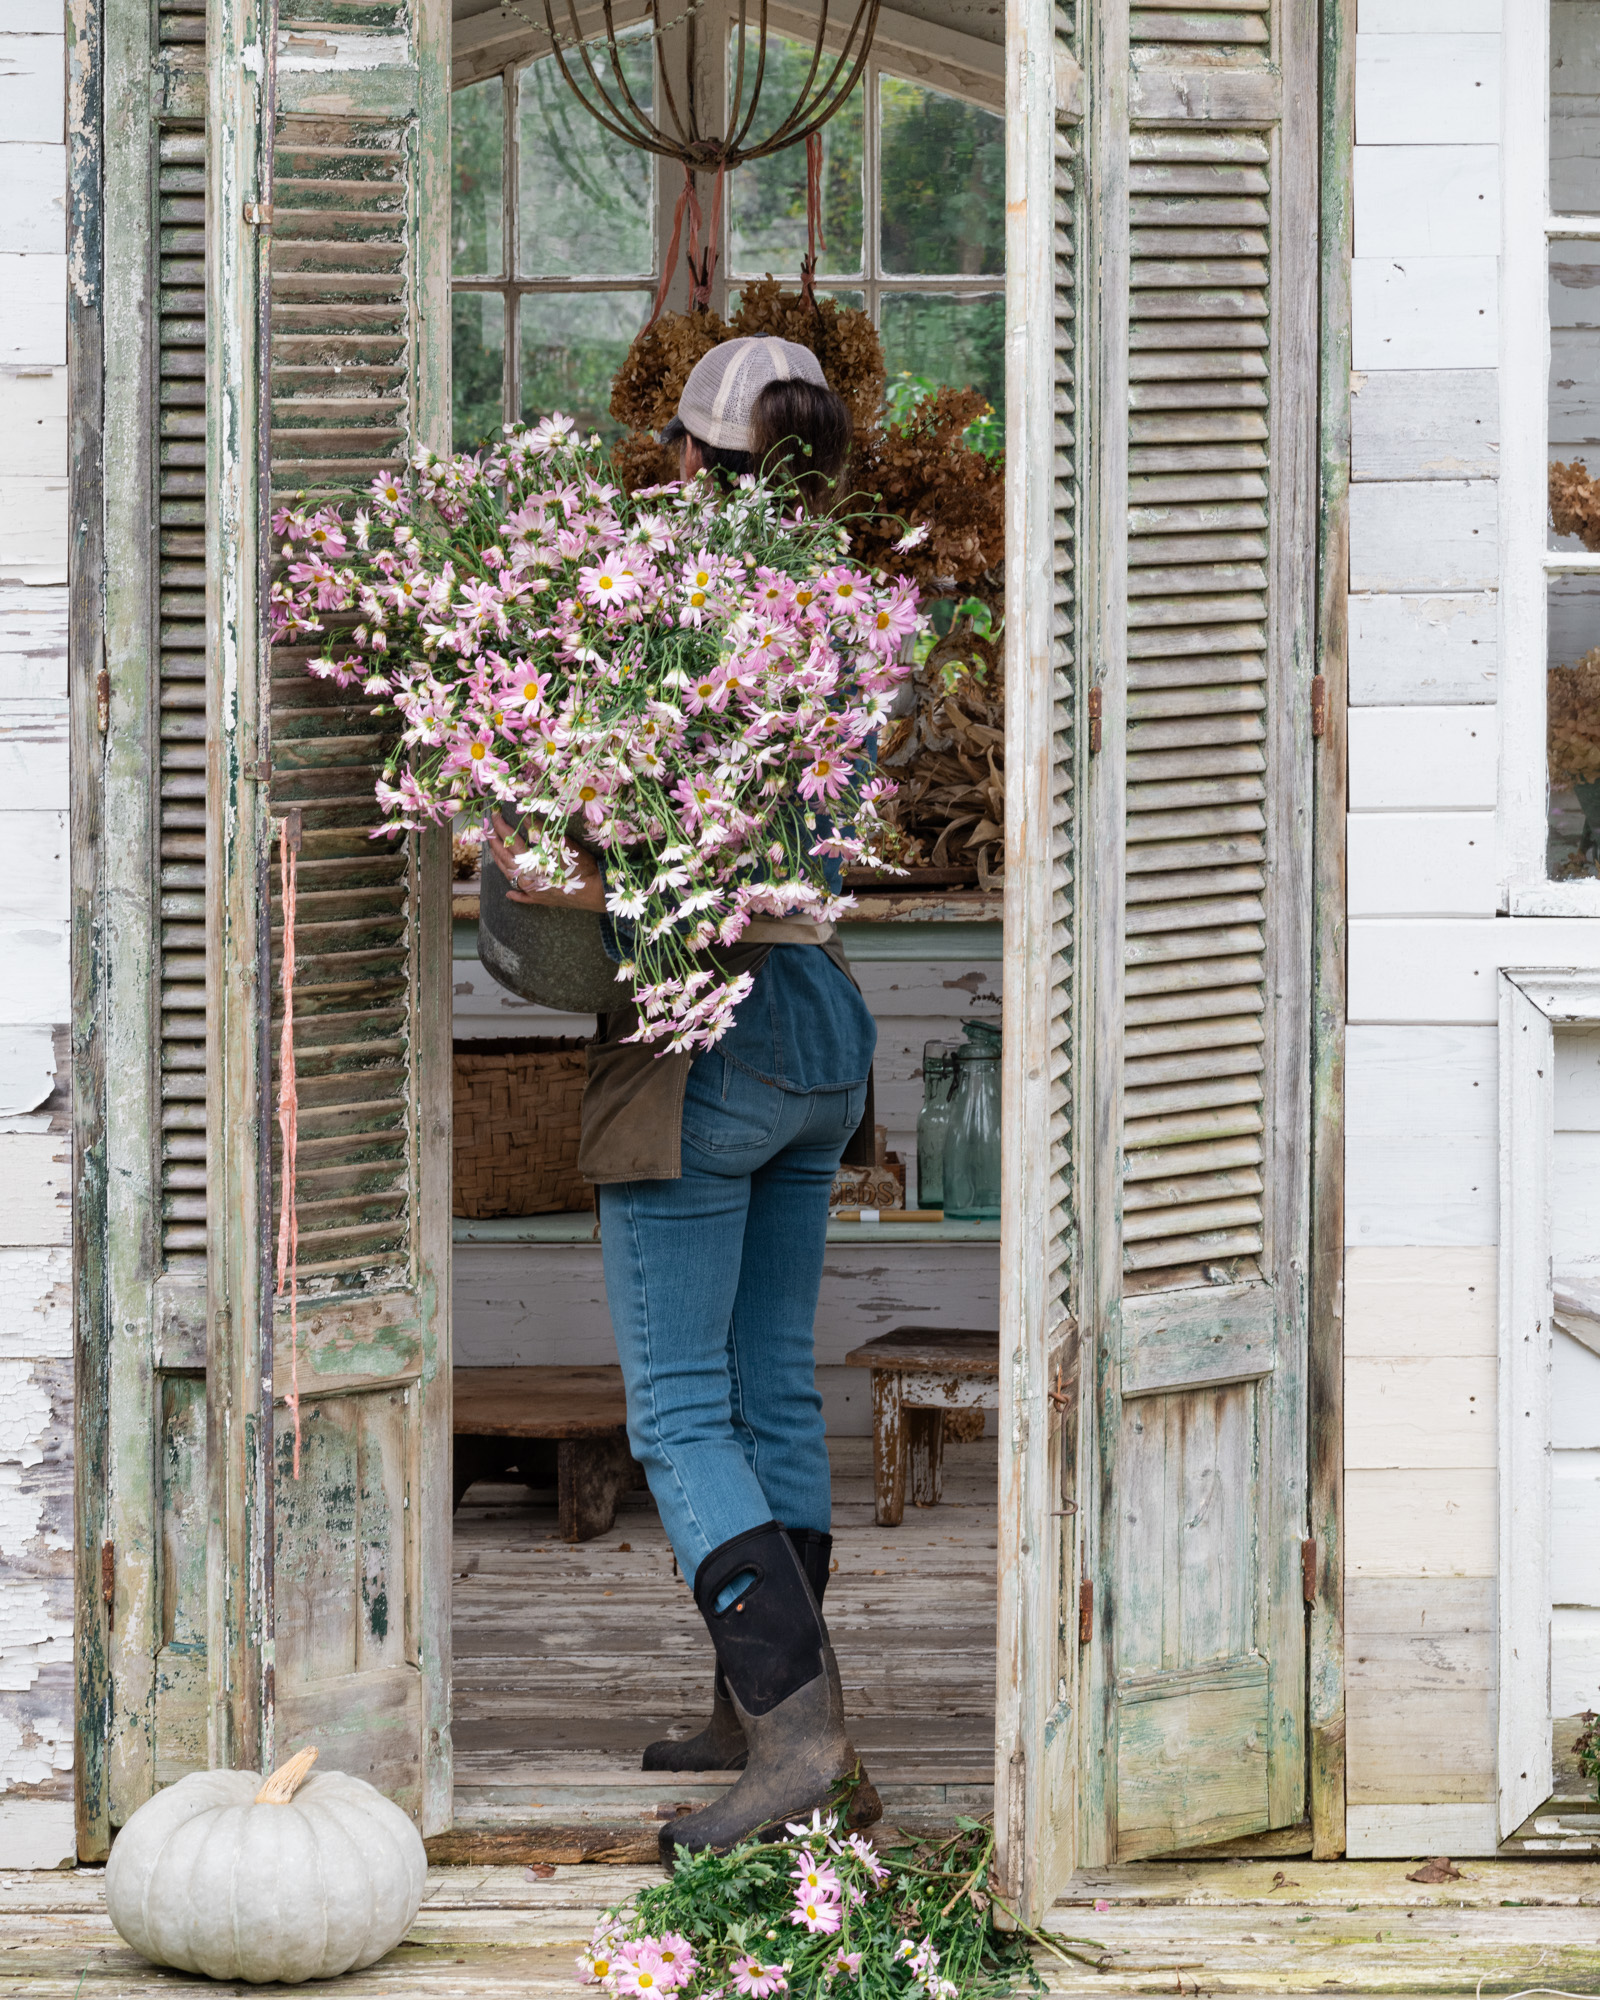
712, 1177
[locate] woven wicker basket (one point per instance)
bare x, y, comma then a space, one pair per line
516, 1128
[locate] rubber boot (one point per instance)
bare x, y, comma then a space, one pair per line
783, 1684
720, 1746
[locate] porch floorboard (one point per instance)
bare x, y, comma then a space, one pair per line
1211, 1927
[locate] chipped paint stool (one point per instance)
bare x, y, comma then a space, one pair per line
918, 1373
580, 1411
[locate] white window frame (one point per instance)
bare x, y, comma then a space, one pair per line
944, 59
1533, 1004
1527, 564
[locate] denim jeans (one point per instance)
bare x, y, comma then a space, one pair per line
712, 1281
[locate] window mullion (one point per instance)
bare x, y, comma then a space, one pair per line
512, 249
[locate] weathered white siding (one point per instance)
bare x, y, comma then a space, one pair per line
1422, 1144
35, 1157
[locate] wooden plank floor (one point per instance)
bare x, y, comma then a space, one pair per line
569, 1659
1198, 1928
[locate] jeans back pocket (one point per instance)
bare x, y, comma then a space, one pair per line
726, 1109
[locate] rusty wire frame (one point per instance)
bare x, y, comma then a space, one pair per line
621, 114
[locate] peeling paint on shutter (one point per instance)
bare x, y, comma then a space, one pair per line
182, 21
181, 557
1196, 850
1179, 21
341, 400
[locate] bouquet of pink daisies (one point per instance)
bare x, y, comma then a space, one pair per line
820, 1912
688, 680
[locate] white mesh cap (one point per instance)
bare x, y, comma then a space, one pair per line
723, 385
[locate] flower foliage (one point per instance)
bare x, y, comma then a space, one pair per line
686, 681
815, 1914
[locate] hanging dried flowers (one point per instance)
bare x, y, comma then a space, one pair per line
1575, 503
1572, 721
915, 465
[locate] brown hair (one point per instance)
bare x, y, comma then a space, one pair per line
800, 431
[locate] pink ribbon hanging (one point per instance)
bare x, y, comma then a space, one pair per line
289, 1117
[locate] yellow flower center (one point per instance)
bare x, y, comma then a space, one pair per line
702, 577
697, 598
883, 621
803, 597
607, 583
478, 750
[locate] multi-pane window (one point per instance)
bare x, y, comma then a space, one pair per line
553, 247
557, 232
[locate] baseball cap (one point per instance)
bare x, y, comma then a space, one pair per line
723, 385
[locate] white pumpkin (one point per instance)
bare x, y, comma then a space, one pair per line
292, 1879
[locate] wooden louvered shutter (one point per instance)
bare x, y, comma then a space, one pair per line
330, 1591
1204, 441
141, 1224
1037, 1680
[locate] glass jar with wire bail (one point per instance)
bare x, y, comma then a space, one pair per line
933, 1122
972, 1146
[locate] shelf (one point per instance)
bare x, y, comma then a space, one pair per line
579, 1228
960, 925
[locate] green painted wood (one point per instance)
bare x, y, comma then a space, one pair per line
580, 1228
961, 942
1325, 1385
86, 55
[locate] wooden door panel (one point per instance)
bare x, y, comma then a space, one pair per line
1192, 1764
1186, 1340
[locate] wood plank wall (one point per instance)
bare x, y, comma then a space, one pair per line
1421, 1147
36, 1716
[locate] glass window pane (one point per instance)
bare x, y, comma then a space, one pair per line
1573, 720
1574, 395
583, 194
1575, 107
843, 299
942, 173
946, 342
573, 343
767, 198
477, 367
477, 180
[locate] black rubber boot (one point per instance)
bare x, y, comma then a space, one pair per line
720, 1746
783, 1685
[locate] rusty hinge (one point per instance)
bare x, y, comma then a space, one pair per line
1085, 1612
1319, 704
1308, 1571
108, 1579
102, 700
1095, 726
259, 213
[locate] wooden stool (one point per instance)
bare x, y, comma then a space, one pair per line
919, 1372
580, 1410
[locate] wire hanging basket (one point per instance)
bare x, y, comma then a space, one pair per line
619, 111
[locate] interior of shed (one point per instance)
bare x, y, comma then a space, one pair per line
570, 1655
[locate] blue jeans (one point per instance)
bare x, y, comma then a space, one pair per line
712, 1281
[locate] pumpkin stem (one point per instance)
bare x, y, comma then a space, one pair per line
281, 1787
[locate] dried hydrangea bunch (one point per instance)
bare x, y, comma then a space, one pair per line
1572, 721
692, 679
915, 467
1575, 503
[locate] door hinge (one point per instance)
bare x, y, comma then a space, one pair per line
1085, 1612
108, 1579
258, 214
1096, 703
1319, 704
1308, 1571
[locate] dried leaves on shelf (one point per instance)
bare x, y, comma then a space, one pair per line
922, 471
948, 758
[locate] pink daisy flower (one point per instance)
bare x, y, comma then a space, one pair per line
758, 1980
819, 1914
